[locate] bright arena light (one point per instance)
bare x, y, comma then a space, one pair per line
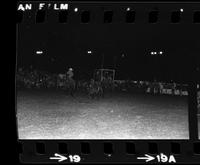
89, 51
160, 52
39, 52
152, 53
128, 9
181, 10
76, 9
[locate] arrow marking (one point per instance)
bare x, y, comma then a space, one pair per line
147, 158
58, 157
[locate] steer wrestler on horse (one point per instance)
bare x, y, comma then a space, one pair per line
70, 81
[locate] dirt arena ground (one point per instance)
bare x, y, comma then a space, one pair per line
43, 114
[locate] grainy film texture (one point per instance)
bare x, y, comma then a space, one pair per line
105, 71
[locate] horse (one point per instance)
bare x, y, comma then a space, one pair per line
71, 86
61, 81
95, 89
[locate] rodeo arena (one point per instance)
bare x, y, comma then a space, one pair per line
103, 81
56, 106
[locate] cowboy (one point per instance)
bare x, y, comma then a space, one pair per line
70, 75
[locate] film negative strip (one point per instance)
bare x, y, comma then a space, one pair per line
108, 82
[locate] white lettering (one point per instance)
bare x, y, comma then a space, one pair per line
158, 158
28, 6
25, 7
55, 7
21, 7
41, 5
163, 157
63, 6
172, 159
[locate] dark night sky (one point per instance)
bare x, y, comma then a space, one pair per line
68, 44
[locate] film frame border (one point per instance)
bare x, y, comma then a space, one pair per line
110, 151
189, 152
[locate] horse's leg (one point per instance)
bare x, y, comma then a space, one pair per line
72, 88
90, 95
71, 91
102, 92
